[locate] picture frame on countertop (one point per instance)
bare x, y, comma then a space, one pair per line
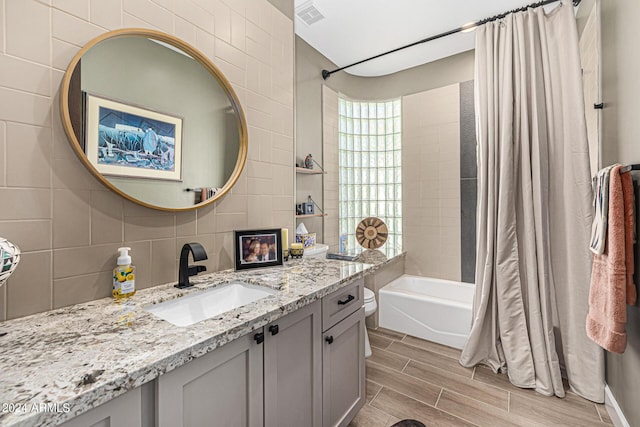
257, 248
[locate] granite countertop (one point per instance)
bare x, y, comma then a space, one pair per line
81, 356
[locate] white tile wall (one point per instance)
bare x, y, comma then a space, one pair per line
63, 218
431, 182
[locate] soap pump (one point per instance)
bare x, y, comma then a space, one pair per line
124, 276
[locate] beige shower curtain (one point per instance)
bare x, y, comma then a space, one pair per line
534, 206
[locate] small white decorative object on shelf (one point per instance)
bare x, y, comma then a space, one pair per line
9, 259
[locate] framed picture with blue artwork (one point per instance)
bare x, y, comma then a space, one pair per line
129, 141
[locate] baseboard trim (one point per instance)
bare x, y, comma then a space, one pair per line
615, 413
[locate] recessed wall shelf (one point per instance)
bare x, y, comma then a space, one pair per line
310, 215
309, 171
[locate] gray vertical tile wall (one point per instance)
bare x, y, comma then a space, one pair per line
468, 183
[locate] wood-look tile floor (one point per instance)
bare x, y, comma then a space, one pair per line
411, 378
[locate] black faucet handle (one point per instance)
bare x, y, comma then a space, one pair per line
195, 269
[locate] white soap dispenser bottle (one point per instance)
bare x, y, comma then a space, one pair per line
124, 276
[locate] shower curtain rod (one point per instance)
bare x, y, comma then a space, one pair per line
326, 73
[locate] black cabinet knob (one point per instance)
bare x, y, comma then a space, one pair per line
259, 337
346, 301
329, 339
274, 329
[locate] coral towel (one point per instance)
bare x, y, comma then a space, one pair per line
612, 286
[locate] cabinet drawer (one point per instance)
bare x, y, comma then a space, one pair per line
340, 304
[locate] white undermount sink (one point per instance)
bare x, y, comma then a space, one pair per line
203, 305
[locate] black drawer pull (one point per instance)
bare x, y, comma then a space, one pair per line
274, 329
347, 301
329, 339
259, 337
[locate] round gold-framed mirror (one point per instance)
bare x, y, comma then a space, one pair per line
154, 119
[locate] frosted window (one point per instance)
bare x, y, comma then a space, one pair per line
370, 136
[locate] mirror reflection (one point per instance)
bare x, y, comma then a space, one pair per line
155, 123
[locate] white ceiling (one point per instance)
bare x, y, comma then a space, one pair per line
357, 29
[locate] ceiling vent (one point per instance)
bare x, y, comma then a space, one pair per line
308, 13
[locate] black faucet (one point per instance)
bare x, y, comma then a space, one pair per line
186, 270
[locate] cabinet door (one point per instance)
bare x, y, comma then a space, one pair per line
221, 388
343, 381
293, 369
125, 410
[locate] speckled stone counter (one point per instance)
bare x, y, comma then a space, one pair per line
79, 357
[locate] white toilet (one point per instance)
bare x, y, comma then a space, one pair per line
370, 307
318, 251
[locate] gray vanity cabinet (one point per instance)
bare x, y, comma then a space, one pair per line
343, 376
293, 369
221, 388
124, 410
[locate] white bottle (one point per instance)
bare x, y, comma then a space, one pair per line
124, 276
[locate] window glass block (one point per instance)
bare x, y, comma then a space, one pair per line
365, 143
391, 208
396, 107
357, 142
364, 129
370, 165
388, 143
390, 175
388, 158
397, 158
373, 143
372, 110
373, 176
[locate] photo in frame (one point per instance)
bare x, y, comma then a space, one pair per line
132, 142
258, 248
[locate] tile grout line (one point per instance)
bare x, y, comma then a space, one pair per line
405, 366
374, 397
509, 401
435, 405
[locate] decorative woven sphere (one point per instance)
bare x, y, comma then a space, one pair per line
9, 259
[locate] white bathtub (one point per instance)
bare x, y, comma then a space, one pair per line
432, 309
